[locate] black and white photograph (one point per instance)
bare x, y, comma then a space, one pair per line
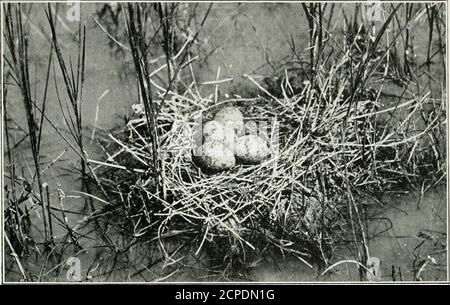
224, 142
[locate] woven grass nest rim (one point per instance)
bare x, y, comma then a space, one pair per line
296, 201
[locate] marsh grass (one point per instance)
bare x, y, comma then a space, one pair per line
16, 37
22, 241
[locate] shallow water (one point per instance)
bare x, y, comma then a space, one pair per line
246, 39
400, 247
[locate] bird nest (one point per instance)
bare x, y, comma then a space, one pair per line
333, 158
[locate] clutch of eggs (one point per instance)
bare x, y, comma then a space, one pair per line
224, 141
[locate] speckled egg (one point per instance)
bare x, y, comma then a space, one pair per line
251, 149
231, 117
214, 130
216, 155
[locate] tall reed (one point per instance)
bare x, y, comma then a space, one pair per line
136, 26
73, 79
17, 41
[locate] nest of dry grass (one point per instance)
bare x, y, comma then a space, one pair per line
333, 161
338, 148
